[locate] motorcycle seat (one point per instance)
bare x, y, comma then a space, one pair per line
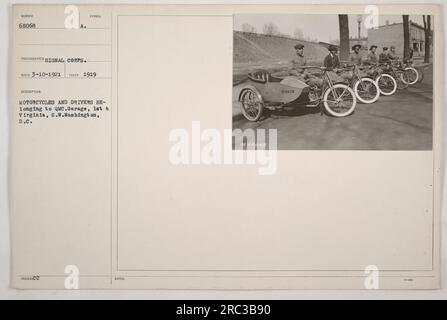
263, 76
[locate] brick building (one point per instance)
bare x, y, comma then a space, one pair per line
393, 34
363, 42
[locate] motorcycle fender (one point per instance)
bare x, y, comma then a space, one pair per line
254, 90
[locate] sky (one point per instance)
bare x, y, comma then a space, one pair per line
323, 27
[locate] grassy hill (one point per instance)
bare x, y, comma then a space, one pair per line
252, 50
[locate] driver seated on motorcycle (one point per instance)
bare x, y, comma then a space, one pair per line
355, 56
332, 64
392, 54
371, 61
295, 68
371, 58
384, 57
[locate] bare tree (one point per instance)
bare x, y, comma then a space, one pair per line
246, 27
405, 19
298, 34
270, 29
427, 31
343, 24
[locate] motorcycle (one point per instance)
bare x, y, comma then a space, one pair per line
261, 90
392, 76
365, 88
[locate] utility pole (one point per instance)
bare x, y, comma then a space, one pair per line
359, 22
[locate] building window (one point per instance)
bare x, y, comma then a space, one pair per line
416, 46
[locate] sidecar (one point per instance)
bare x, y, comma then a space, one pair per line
262, 90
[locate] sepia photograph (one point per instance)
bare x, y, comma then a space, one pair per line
335, 82
124, 172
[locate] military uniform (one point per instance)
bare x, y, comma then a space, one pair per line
296, 69
371, 58
355, 58
296, 63
392, 55
331, 61
384, 57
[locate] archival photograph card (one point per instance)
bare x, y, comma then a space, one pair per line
226, 146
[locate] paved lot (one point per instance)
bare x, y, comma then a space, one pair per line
399, 122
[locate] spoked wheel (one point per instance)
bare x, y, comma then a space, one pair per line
412, 75
340, 100
366, 90
402, 80
313, 97
251, 104
387, 84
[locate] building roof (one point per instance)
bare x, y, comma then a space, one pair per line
327, 44
414, 24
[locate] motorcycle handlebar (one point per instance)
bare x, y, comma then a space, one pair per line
314, 67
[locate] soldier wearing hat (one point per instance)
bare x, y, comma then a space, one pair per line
298, 60
384, 57
392, 54
331, 61
356, 57
371, 58
296, 64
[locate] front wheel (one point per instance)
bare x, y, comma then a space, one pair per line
402, 80
387, 84
339, 100
412, 75
251, 104
366, 90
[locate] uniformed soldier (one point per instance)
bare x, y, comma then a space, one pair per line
371, 58
298, 61
331, 61
296, 69
384, 57
392, 54
356, 57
